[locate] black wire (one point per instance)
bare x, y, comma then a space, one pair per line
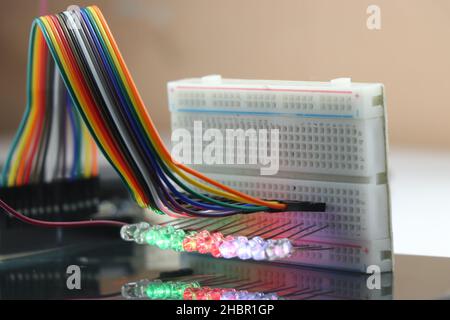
63, 141
60, 104
49, 125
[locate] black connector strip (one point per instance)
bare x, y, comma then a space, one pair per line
63, 200
304, 206
295, 206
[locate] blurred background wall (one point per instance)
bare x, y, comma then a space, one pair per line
165, 40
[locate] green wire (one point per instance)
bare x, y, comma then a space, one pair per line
78, 132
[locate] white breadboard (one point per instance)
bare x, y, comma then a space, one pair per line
339, 98
354, 211
322, 146
332, 149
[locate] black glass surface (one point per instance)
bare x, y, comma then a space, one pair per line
107, 264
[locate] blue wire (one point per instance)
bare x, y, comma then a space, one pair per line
76, 138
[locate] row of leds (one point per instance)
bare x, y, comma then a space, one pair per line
204, 242
177, 290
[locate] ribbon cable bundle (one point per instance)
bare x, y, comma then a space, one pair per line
52, 164
73, 54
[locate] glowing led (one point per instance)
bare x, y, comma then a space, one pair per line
215, 294
229, 295
152, 235
270, 296
190, 242
228, 248
286, 248
177, 240
271, 250
139, 236
258, 246
202, 293
242, 295
204, 242
158, 290
177, 290
218, 238
190, 294
244, 251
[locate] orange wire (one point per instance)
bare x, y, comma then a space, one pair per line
24, 170
94, 160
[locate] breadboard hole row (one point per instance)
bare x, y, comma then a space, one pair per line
263, 101
305, 145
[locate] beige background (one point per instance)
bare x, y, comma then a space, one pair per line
296, 40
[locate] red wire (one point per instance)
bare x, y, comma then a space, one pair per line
41, 105
49, 224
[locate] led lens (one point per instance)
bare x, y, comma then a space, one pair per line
228, 248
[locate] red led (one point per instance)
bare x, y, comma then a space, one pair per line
189, 244
215, 294
217, 241
203, 293
204, 245
215, 252
188, 294
217, 237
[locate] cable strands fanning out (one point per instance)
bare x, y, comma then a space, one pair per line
75, 62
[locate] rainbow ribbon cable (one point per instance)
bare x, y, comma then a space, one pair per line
76, 48
49, 120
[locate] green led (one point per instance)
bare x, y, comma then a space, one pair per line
157, 211
152, 235
182, 287
152, 290
158, 290
164, 239
177, 244
177, 240
178, 291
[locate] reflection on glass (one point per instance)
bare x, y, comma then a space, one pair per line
181, 290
